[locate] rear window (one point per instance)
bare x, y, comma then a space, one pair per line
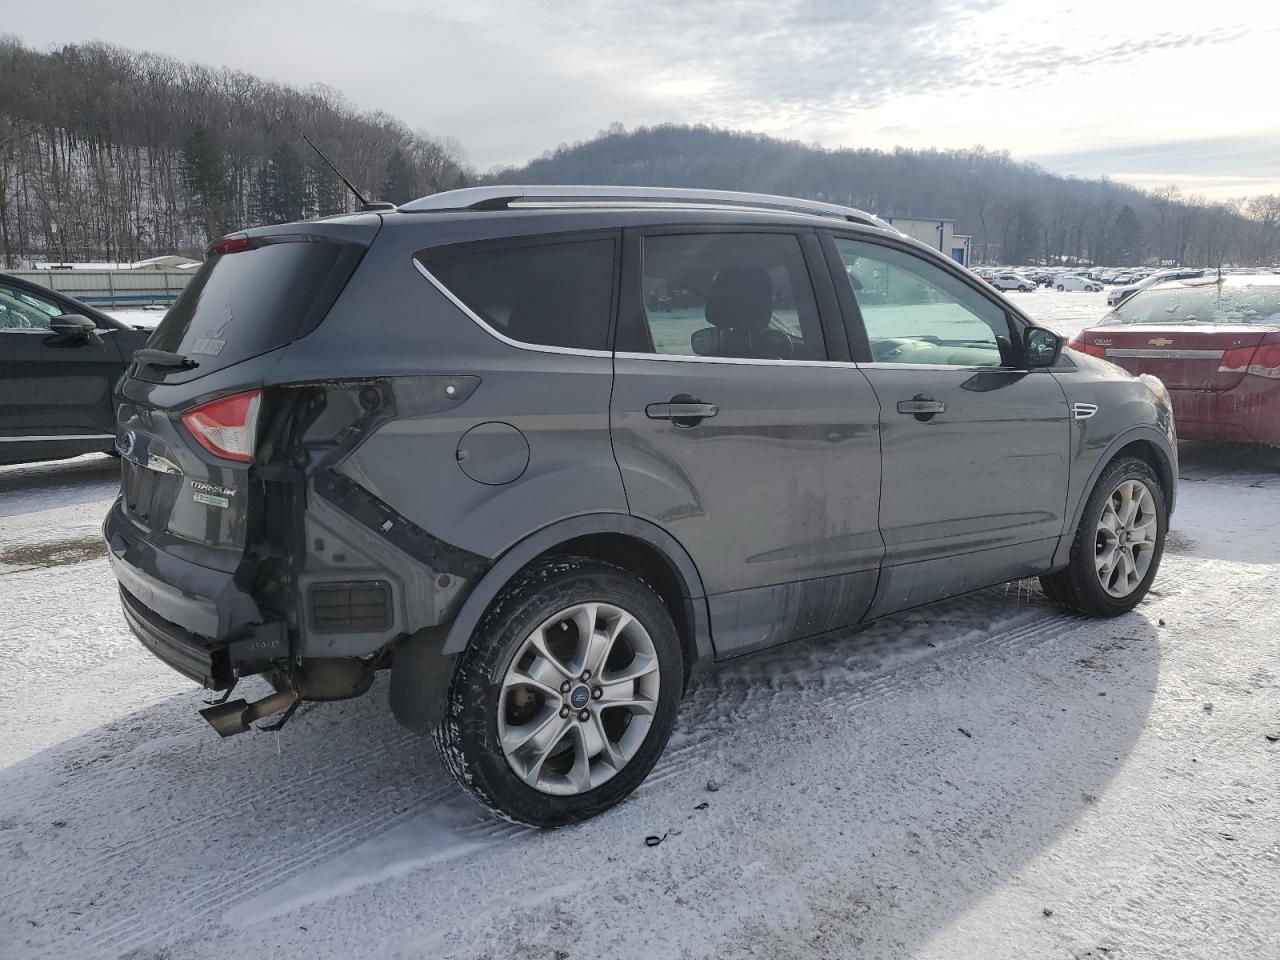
555, 294
239, 305
1208, 303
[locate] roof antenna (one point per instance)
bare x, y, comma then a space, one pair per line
364, 204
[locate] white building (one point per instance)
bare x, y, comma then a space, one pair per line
939, 234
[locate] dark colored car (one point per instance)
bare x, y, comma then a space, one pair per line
538, 450
1215, 342
58, 361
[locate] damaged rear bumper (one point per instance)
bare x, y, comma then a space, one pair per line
194, 618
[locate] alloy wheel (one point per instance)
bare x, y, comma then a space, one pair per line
1125, 542
578, 699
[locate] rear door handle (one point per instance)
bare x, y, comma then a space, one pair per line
922, 407
683, 413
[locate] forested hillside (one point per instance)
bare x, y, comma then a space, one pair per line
110, 154
1016, 212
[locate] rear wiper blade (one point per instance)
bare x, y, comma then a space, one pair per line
163, 358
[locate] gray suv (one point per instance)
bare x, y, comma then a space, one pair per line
536, 451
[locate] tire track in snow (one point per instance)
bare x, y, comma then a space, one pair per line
737, 693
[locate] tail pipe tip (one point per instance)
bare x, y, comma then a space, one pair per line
236, 716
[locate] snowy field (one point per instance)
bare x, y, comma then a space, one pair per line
982, 778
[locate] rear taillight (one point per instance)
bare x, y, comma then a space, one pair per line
228, 426
1092, 349
1261, 361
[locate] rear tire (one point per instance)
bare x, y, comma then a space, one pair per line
1061, 288
1115, 553
512, 736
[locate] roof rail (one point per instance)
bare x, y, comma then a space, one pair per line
502, 197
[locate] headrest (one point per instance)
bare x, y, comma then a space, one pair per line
741, 298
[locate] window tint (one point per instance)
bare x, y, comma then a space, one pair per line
239, 305
20, 310
915, 312
736, 295
553, 294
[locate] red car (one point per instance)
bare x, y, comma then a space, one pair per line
1214, 342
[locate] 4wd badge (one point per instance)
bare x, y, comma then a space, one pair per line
211, 494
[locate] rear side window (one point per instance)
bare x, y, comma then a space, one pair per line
736, 295
242, 304
546, 294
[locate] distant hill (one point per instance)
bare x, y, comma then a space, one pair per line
1017, 212
109, 154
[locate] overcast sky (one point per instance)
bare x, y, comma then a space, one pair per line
1146, 91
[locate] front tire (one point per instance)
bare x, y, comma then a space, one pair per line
1118, 544
1061, 288
566, 696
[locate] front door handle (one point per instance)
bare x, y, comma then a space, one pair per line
922, 407
682, 411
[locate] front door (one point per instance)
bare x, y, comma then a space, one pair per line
737, 433
975, 446
55, 392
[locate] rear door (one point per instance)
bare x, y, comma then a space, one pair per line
975, 447
55, 392
741, 428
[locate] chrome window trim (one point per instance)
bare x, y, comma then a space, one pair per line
68, 436
498, 335
744, 361
1167, 354
954, 367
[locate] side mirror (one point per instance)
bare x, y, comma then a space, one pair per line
1041, 347
75, 326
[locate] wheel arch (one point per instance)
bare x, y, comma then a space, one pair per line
1147, 444
636, 545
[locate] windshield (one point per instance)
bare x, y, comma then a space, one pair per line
1212, 303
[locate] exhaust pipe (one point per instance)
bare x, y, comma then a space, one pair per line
236, 715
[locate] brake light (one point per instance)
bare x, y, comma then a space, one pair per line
1264, 361
1080, 345
231, 243
227, 427
1235, 360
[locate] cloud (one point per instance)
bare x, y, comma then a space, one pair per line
510, 80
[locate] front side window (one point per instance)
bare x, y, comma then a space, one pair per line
548, 294
730, 295
20, 310
916, 312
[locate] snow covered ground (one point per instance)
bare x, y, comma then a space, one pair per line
983, 778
